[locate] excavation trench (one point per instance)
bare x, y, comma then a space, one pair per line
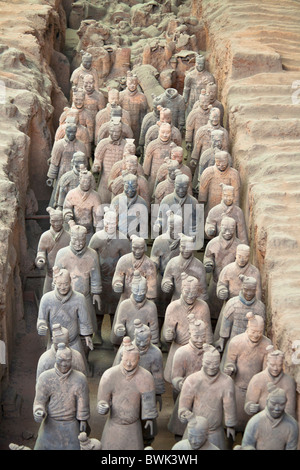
250, 73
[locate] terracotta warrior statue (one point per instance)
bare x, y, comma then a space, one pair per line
150, 119
246, 356
127, 264
84, 115
164, 248
104, 115
135, 102
184, 204
137, 306
257, 391
196, 80
219, 252
175, 102
49, 243
84, 69
229, 284
118, 167
94, 100
185, 262
116, 115
210, 189
212, 90
67, 307
156, 152
110, 245
108, 152
167, 186
151, 359
131, 208
197, 436
176, 324
187, 360
61, 404
208, 156
70, 179
197, 118
83, 265
234, 314
202, 139
60, 334
272, 428
176, 154
227, 208
127, 392
165, 115
82, 133
131, 165
210, 393
82, 205
61, 157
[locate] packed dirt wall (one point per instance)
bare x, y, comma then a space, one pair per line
31, 102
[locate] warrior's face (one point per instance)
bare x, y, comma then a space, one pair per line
227, 230
221, 162
276, 406
78, 241
110, 225
196, 438
130, 188
211, 365
181, 189
138, 250
71, 132
217, 142
214, 118
143, 340
78, 100
85, 182
89, 84
249, 292
197, 337
228, 197
242, 258
275, 365
165, 132
113, 97
130, 360
56, 222
200, 63
115, 132
186, 249
87, 62
64, 362
190, 294
63, 284
132, 84
255, 333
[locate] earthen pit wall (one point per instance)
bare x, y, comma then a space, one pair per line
28, 116
255, 86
